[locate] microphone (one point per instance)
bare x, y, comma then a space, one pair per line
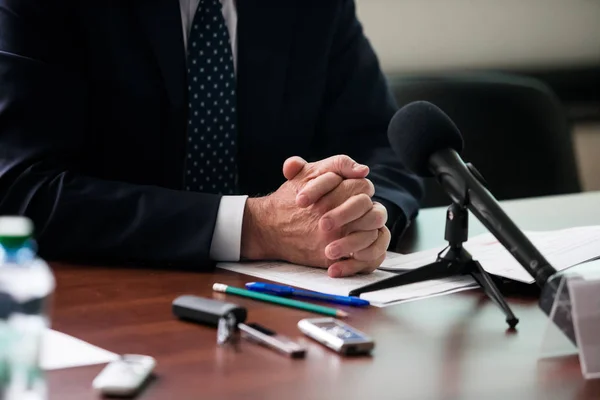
429, 143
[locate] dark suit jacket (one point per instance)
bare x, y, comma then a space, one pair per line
93, 119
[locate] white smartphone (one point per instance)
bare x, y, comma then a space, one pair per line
125, 376
337, 335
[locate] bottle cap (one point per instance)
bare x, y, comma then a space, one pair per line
15, 231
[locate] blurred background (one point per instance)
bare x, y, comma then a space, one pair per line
520, 77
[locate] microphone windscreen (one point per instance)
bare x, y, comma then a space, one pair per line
420, 129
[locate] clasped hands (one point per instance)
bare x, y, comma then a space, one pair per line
322, 216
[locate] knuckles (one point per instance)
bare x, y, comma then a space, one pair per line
364, 201
380, 218
371, 188
374, 251
377, 263
359, 186
372, 267
341, 163
333, 177
374, 235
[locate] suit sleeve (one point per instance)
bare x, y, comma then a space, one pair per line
42, 132
358, 106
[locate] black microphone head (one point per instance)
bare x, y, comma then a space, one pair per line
420, 129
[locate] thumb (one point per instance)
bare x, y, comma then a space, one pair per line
292, 167
344, 166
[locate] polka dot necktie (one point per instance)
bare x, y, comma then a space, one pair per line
211, 147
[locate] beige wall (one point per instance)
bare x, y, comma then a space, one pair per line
430, 35
418, 35
587, 146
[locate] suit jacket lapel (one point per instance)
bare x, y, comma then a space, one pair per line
161, 22
265, 30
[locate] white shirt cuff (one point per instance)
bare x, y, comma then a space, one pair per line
227, 236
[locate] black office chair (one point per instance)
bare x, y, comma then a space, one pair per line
515, 132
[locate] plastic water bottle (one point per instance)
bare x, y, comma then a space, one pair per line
26, 288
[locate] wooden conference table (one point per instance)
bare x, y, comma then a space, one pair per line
447, 347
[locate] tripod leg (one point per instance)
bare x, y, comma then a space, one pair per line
436, 270
489, 287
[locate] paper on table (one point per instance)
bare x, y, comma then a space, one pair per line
420, 290
316, 279
563, 249
63, 351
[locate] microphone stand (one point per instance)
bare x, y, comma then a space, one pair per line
456, 261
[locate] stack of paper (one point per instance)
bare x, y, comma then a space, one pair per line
563, 249
317, 279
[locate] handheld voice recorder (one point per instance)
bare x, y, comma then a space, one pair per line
337, 335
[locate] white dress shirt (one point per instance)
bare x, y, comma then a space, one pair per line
227, 236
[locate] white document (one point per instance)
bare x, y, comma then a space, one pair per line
316, 279
420, 290
63, 351
563, 249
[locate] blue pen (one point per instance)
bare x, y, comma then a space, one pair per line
280, 290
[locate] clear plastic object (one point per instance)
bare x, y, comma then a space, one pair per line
572, 301
26, 289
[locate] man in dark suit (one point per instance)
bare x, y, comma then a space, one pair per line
155, 131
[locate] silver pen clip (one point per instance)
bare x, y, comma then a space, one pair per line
227, 331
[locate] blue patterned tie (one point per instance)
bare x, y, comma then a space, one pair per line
211, 148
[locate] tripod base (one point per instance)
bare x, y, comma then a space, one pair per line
485, 281
456, 261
